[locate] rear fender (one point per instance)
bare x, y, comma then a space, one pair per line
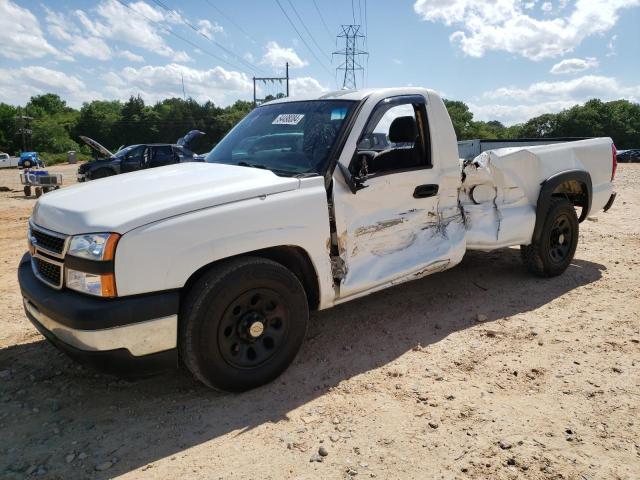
549, 187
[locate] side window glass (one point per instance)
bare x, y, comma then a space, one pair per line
396, 138
135, 155
163, 155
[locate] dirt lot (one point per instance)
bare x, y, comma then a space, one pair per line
404, 384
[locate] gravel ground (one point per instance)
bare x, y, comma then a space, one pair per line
479, 372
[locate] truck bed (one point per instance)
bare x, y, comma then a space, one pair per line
500, 188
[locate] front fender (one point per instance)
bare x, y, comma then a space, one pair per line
164, 254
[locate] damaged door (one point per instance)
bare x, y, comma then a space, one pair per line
393, 224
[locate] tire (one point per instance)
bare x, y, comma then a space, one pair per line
242, 324
552, 254
26, 164
27, 191
101, 173
38, 192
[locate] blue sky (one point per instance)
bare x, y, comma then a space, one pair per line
508, 59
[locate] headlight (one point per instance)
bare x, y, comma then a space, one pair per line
91, 283
94, 246
91, 271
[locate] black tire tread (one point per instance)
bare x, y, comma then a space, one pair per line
532, 256
196, 296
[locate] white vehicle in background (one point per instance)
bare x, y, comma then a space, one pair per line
304, 205
7, 161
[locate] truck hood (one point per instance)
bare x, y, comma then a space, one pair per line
124, 202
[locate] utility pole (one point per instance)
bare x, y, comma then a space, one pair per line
351, 54
271, 80
24, 130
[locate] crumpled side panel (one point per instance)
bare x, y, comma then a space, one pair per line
496, 201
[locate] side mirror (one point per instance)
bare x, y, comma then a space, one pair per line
360, 166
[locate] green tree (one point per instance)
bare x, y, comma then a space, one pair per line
462, 119
47, 104
8, 142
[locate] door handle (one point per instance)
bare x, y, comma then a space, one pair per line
425, 191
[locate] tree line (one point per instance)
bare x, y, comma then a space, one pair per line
56, 127
619, 119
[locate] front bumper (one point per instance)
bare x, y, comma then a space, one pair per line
127, 336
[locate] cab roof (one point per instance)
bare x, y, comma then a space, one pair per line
354, 95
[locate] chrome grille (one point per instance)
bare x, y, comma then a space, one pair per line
47, 241
50, 273
48, 250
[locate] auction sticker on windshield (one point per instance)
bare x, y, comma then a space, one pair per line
288, 119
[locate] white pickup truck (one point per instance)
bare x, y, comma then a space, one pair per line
304, 205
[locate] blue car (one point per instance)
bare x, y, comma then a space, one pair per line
30, 160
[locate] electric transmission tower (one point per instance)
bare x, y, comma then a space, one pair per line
352, 54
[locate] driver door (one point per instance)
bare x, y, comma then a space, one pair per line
133, 160
397, 226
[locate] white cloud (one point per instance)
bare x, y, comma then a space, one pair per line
154, 83
207, 28
574, 65
129, 55
129, 25
277, 56
589, 86
513, 104
18, 85
21, 36
506, 25
511, 114
306, 87
611, 47
92, 47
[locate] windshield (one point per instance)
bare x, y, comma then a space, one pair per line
287, 138
123, 152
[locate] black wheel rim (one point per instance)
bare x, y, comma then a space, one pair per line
560, 239
253, 328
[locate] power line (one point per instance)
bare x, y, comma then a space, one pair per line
234, 23
322, 20
305, 27
302, 38
202, 34
366, 26
171, 32
353, 12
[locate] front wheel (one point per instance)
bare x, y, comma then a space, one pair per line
27, 191
242, 324
552, 254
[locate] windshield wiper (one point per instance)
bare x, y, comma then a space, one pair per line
252, 165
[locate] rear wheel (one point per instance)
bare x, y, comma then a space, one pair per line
38, 192
27, 191
552, 254
242, 324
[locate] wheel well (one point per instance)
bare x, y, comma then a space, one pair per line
294, 258
574, 191
574, 185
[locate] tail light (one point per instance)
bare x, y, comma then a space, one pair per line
614, 161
